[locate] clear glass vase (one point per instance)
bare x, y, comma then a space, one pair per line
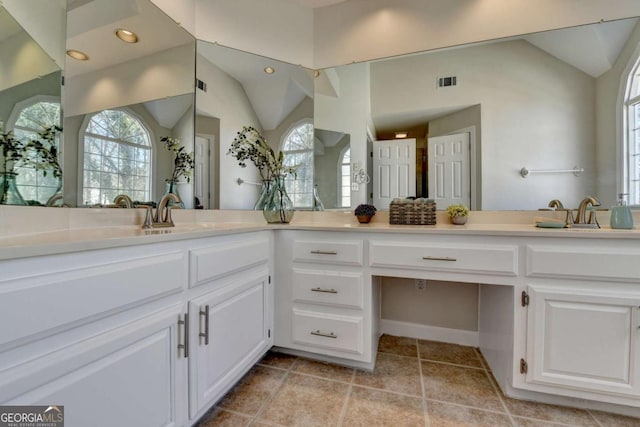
278, 207
9, 194
171, 186
317, 203
264, 194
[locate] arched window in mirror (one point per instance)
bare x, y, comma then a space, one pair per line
117, 157
344, 180
631, 146
297, 146
27, 120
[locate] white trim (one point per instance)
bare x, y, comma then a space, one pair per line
622, 120
427, 332
339, 179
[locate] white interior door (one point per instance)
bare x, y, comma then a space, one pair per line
201, 171
394, 170
449, 170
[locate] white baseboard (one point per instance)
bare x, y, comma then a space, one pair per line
426, 332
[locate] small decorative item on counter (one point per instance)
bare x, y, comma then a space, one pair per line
458, 214
621, 217
412, 211
250, 145
364, 213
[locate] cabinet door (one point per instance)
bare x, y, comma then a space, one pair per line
128, 376
232, 331
584, 339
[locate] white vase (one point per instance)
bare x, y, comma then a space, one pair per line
459, 220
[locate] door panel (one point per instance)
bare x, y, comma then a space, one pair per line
449, 169
394, 166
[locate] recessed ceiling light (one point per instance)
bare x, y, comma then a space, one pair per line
126, 35
269, 70
76, 54
400, 135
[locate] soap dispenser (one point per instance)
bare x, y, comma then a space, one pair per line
621, 215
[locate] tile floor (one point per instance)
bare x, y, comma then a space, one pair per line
415, 383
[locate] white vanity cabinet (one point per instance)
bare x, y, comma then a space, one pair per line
581, 321
231, 319
150, 335
98, 333
325, 298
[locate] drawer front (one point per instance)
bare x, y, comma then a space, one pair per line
499, 260
578, 263
334, 288
217, 260
57, 301
328, 331
328, 252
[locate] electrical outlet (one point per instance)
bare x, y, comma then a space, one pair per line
354, 186
421, 285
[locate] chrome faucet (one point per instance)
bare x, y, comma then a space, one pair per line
123, 200
581, 219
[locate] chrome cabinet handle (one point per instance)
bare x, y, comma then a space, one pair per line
185, 323
319, 252
436, 258
322, 334
205, 334
327, 291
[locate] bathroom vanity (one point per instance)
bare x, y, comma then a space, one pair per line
162, 325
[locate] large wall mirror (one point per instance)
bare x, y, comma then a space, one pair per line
481, 113
120, 96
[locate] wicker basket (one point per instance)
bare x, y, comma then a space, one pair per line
411, 213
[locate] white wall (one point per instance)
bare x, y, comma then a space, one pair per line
184, 129
360, 30
609, 87
350, 112
277, 29
22, 60
45, 21
163, 74
183, 12
537, 112
226, 100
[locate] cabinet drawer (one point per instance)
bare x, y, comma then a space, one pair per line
328, 331
580, 263
488, 259
328, 252
48, 303
217, 260
336, 288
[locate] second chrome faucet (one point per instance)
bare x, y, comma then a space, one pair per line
162, 217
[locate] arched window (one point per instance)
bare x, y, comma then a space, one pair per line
631, 146
297, 147
27, 120
117, 158
344, 180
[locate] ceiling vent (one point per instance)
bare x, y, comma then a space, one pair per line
201, 85
447, 81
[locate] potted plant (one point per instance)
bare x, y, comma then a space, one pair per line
183, 164
457, 214
274, 202
364, 213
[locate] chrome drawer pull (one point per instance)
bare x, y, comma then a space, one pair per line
205, 334
437, 258
185, 324
322, 334
327, 291
319, 252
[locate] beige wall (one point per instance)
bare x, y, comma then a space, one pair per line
537, 112
443, 304
22, 60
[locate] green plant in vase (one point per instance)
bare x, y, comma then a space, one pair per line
42, 155
183, 164
13, 151
457, 214
250, 146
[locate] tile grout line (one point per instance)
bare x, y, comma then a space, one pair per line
275, 392
499, 394
425, 408
480, 368
345, 404
593, 416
